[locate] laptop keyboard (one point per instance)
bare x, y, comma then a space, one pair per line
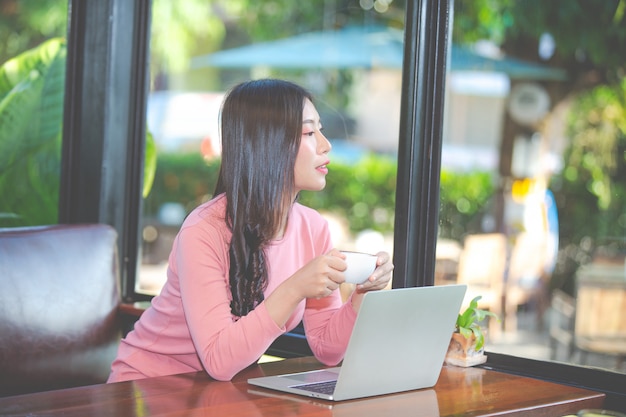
325, 387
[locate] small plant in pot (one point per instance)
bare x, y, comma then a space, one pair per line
468, 340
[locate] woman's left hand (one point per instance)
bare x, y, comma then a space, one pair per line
380, 279
381, 276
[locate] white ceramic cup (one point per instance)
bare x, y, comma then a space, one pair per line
360, 266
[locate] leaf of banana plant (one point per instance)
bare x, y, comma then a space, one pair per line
31, 109
32, 87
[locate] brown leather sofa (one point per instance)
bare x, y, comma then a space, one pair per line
59, 302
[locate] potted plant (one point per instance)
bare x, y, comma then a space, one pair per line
468, 340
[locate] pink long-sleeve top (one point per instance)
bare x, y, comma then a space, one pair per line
189, 326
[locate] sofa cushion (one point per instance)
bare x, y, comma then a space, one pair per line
59, 299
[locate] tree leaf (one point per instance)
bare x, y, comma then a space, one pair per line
31, 109
32, 90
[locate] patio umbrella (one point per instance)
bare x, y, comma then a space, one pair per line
352, 47
359, 47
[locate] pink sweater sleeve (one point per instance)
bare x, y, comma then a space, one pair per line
328, 325
327, 322
224, 346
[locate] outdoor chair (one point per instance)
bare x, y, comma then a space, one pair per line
482, 266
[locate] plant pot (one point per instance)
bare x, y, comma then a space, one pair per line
462, 351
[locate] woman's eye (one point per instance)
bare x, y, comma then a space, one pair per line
311, 133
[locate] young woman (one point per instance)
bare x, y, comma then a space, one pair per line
250, 264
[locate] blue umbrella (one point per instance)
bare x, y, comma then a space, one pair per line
359, 47
352, 47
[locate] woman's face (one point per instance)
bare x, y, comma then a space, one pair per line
310, 168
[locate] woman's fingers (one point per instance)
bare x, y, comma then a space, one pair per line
381, 276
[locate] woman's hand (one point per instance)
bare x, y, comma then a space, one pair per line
317, 279
380, 279
321, 276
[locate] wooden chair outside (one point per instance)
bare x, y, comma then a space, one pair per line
562, 322
482, 266
527, 279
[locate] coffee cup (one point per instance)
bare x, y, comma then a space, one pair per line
360, 266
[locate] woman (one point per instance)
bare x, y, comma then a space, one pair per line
250, 264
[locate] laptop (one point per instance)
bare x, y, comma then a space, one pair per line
398, 343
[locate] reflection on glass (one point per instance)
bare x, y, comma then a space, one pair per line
533, 190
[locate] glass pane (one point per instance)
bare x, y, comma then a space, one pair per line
533, 182
32, 77
347, 54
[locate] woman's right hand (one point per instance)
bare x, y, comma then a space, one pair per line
321, 276
317, 279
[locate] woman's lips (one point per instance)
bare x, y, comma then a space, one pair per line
323, 168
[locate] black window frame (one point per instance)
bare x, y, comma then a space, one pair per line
103, 149
104, 126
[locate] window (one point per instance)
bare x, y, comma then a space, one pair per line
533, 208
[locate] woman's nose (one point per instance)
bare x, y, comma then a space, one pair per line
324, 144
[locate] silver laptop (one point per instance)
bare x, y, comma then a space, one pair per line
398, 343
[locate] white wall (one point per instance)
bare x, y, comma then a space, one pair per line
473, 118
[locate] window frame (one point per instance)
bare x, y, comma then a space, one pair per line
104, 126
420, 141
103, 150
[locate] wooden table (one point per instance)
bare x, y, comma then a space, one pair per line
459, 391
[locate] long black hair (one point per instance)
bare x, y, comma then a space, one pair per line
261, 127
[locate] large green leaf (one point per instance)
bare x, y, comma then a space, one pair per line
150, 164
31, 109
31, 115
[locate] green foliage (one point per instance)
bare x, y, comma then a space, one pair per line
32, 87
150, 164
592, 179
590, 191
189, 179
31, 108
363, 193
185, 178
468, 322
25, 24
180, 30
462, 197
481, 19
264, 20
586, 33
